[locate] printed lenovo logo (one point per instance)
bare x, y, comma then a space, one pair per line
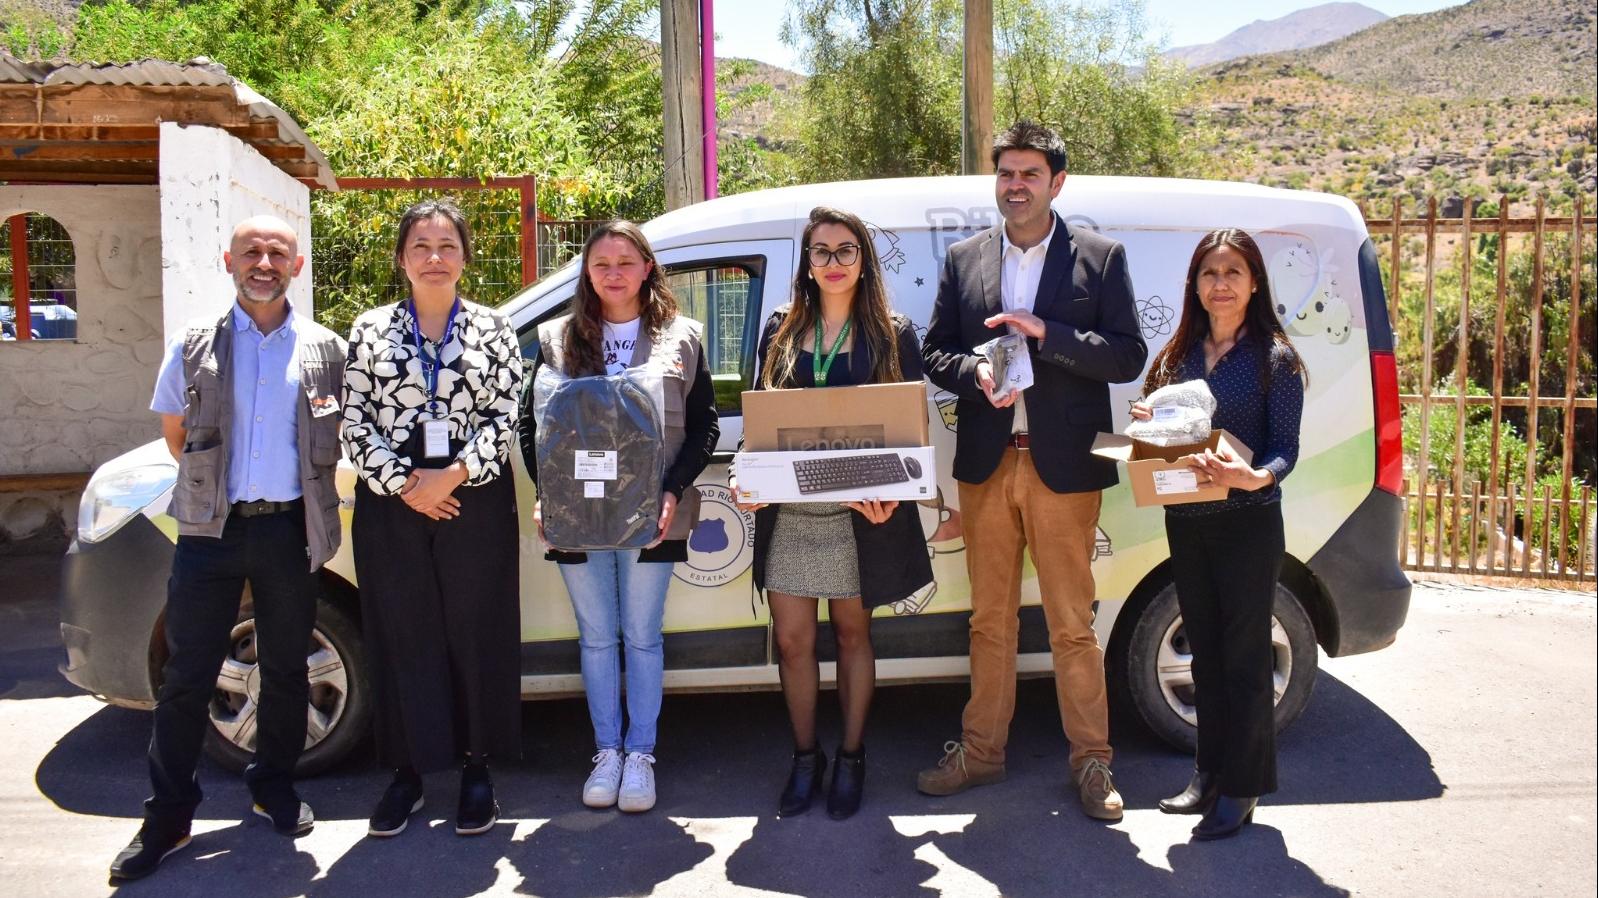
808, 439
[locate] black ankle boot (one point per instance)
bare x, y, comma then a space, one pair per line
478, 811
848, 784
1225, 818
1196, 798
804, 781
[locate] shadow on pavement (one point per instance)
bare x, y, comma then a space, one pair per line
723, 760
248, 859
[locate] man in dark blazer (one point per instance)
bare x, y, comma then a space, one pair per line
1026, 476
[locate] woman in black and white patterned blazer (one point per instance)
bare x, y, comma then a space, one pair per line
429, 414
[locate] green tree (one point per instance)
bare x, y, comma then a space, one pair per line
883, 98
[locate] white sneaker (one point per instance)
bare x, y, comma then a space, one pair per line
603, 784
637, 783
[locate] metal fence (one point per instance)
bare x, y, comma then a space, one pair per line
1498, 395
38, 279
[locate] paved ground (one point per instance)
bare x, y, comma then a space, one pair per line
1459, 762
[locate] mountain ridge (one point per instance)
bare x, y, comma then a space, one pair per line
1297, 30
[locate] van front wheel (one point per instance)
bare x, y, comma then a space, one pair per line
1153, 675
339, 713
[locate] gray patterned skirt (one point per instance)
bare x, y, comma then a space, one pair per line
813, 552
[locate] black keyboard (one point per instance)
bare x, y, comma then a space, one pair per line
824, 475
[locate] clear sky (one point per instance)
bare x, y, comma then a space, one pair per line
753, 28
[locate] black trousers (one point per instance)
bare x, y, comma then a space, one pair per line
202, 606
1225, 565
441, 614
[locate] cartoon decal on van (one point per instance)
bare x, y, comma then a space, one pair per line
722, 545
891, 257
1156, 317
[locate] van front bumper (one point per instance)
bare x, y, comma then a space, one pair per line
1358, 572
112, 594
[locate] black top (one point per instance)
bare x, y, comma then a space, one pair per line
1091, 339
1265, 417
897, 548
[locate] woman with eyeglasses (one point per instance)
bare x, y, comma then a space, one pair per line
838, 331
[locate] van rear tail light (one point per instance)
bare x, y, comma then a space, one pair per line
1389, 423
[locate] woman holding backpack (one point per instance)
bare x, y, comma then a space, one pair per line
625, 316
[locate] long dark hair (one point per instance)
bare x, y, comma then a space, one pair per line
585, 330
1259, 318
870, 317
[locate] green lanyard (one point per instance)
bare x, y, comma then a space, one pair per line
817, 366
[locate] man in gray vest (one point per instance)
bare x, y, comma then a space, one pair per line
249, 407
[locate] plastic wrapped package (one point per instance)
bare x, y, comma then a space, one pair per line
1181, 415
601, 458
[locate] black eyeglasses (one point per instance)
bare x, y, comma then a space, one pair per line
845, 255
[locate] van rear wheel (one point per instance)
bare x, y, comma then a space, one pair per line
1152, 670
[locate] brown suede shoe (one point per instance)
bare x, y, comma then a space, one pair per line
1096, 788
958, 772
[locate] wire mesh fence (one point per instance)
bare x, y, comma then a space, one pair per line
355, 231
38, 279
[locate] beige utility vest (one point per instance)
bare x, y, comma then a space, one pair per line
200, 496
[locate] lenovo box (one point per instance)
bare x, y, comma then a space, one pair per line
1160, 474
870, 416
836, 444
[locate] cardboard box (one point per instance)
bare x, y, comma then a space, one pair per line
881, 427
1159, 474
906, 474
870, 416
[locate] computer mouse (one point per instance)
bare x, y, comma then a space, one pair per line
912, 467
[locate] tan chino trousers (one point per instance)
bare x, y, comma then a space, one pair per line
1011, 511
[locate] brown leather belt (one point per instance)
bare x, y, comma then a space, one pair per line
263, 507
1020, 440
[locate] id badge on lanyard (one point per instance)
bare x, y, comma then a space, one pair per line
435, 438
435, 429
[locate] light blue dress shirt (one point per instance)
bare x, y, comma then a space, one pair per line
263, 455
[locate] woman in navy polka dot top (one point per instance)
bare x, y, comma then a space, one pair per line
1226, 555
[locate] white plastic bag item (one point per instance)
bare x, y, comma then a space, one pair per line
601, 458
1181, 415
1011, 362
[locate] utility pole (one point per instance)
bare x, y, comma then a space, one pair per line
976, 126
683, 89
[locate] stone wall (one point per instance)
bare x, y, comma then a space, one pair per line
66, 406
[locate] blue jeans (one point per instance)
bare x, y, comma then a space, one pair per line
617, 599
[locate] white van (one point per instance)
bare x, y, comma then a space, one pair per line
731, 262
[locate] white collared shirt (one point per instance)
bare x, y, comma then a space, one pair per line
1019, 275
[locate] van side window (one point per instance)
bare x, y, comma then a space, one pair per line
528, 335
725, 297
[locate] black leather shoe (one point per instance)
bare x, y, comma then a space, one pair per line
1225, 818
400, 800
1200, 793
146, 852
478, 810
804, 781
848, 784
289, 816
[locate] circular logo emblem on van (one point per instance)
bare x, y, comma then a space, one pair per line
723, 545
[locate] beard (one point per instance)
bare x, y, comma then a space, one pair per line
252, 292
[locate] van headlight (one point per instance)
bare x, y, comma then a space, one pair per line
110, 501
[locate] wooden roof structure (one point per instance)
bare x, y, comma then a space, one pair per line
99, 123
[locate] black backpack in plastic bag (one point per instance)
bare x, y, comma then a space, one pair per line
601, 458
